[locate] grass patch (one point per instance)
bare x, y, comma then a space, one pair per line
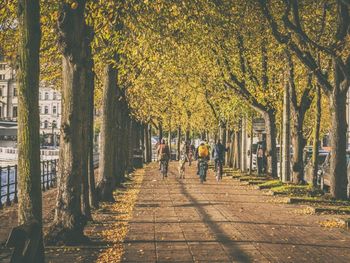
293, 190
270, 184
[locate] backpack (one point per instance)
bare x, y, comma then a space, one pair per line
203, 151
163, 152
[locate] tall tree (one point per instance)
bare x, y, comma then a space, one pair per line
334, 86
108, 150
69, 221
29, 185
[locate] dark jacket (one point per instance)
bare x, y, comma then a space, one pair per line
218, 152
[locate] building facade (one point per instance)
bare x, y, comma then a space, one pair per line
50, 110
49, 102
8, 93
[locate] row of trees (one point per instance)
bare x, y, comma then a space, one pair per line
202, 66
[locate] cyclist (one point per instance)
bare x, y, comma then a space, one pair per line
218, 154
202, 155
190, 149
163, 154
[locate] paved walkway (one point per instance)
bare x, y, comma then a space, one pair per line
178, 220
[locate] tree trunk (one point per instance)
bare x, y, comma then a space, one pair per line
145, 143
228, 145
150, 142
223, 134
69, 222
270, 126
187, 135
237, 150
29, 181
298, 148
178, 143
232, 150
131, 138
281, 148
160, 131
244, 146
86, 137
90, 111
169, 140
106, 181
316, 137
285, 176
338, 169
251, 149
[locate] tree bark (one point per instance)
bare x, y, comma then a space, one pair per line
160, 131
29, 181
223, 134
232, 150
178, 143
237, 150
244, 146
228, 145
187, 135
169, 140
150, 142
69, 222
145, 143
106, 181
251, 149
86, 137
270, 126
338, 169
316, 137
285, 176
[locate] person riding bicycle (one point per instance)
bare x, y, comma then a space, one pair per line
218, 154
163, 153
202, 155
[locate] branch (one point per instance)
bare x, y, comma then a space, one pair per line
304, 56
246, 95
211, 105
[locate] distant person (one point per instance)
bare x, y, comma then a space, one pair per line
163, 153
260, 159
218, 155
190, 149
202, 154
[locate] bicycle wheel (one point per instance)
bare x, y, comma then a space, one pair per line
162, 169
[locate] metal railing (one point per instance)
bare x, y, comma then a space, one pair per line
9, 180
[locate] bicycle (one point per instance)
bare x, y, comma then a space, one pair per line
203, 167
163, 168
218, 169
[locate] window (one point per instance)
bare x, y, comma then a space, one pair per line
54, 110
54, 96
54, 124
39, 95
14, 112
46, 124
2, 76
14, 92
46, 110
2, 66
46, 95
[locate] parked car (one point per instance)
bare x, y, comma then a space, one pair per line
324, 173
322, 156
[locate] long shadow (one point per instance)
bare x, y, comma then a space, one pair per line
221, 221
221, 236
230, 241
